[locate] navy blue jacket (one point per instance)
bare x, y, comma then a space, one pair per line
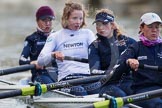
104, 52
32, 47
146, 55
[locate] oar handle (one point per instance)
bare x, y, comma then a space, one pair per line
83, 60
145, 66
17, 69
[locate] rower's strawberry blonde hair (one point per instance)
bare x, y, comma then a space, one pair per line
120, 31
68, 9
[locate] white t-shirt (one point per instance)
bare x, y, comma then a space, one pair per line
70, 43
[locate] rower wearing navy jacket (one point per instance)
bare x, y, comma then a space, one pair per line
147, 51
35, 42
106, 49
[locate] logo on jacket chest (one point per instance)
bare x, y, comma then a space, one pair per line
159, 55
120, 42
41, 43
73, 45
142, 58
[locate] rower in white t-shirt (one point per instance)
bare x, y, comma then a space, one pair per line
72, 41
67, 42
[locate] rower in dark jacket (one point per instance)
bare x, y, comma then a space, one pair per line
147, 51
106, 49
35, 42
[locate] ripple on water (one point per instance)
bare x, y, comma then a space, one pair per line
12, 103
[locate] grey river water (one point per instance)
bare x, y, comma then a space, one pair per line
14, 29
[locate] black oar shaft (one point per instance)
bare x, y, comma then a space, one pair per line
145, 66
7, 82
142, 96
16, 69
128, 99
46, 87
74, 82
83, 60
9, 94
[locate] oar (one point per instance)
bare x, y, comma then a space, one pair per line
63, 84
108, 76
47, 87
6, 82
17, 69
121, 101
132, 98
83, 60
145, 66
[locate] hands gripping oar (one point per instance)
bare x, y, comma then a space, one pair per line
121, 101
47, 87
27, 67
141, 66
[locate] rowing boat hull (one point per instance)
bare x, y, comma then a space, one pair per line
54, 98
57, 99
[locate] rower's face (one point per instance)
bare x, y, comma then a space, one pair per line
75, 20
45, 24
104, 29
152, 31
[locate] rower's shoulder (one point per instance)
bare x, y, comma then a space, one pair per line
86, 30
31, 37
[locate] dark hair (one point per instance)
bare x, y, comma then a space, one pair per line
141, 25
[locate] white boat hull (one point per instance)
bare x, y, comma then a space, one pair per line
54, 98
57, 99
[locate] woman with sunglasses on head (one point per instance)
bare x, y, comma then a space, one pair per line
106, 49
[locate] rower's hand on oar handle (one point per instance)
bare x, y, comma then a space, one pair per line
36, 65
58, 55
133, 63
